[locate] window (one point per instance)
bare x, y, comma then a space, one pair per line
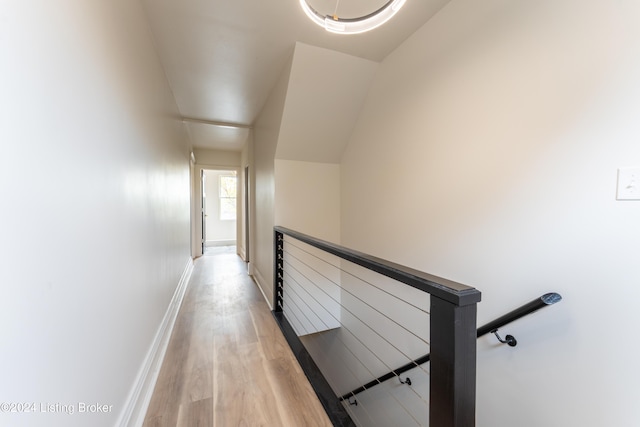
228, 190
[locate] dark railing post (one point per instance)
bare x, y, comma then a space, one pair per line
278, 271
453, 364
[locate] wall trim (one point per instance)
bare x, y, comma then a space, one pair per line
138, 400
260, 281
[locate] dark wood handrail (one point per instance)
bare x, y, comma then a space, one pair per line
528, 308
445, 289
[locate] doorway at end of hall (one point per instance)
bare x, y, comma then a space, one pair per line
219, 208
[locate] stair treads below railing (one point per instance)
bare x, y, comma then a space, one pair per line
358, 319
370, 325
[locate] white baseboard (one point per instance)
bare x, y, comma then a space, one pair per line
214, 243
257, 276
139, 398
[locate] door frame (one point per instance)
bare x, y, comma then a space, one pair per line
203, 211
198, 211
246, 214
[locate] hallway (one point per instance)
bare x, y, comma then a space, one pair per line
227, 363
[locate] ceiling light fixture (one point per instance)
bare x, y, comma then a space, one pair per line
333, 23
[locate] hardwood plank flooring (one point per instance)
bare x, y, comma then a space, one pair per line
227, 363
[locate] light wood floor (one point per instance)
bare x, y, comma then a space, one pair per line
227, 363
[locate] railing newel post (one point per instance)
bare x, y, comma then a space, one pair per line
453, 364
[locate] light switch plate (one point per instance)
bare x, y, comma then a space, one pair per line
628, 183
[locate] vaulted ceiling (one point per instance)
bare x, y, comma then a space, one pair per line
222, 58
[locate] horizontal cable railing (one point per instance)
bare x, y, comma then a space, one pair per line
491, 327
359, 316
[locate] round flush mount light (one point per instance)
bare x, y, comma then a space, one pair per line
340, 25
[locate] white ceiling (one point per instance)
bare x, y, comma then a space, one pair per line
223, 57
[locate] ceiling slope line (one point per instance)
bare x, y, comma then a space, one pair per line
216, 123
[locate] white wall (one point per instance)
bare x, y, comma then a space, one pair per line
211, 157
94, 180
325, 92
486, 153
292, 128
307, 198
265, 142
